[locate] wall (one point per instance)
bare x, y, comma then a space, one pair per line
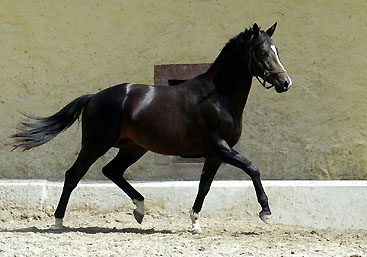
53, 51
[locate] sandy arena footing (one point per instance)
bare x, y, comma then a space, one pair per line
318, 204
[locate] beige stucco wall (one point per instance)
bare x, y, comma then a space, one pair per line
53, 51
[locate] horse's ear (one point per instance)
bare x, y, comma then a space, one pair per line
256, 30
271, 30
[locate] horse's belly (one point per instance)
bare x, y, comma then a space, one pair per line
168, 142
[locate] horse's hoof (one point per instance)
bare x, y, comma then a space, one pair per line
195, 225
54, 227
58, 224
196, 230
138, 216
265, 217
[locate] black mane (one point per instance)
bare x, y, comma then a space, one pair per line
241, 40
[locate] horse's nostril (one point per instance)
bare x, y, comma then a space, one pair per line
285, 86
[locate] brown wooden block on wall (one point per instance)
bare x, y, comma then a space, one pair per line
165, 72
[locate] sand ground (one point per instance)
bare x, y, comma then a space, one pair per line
87, 233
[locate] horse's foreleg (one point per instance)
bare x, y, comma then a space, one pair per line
230, 156
115, 169
209, 170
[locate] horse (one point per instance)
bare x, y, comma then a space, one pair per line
201, 116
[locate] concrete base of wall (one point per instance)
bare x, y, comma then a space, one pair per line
319, 204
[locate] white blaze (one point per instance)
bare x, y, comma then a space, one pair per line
276, 56
280, 64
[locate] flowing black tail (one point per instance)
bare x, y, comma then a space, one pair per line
42, 130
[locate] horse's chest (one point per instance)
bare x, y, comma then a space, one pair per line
231, 133
230, 128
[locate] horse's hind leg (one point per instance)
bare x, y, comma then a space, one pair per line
72, 177
209, 170
114, 170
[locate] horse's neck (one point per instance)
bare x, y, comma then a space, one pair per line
232, 81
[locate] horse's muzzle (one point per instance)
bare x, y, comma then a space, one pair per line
283, 86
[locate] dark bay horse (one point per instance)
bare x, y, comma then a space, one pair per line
199, 117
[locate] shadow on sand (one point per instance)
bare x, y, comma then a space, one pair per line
90, 230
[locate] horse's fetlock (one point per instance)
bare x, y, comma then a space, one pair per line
194, 216
263, 201
139, 211
195, 224
139, 206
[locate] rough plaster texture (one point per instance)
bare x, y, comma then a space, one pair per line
306, 203
54, 51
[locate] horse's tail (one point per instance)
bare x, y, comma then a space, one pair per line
41, 130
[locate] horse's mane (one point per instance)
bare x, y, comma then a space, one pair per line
242, 39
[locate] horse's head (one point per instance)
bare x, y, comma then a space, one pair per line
264, 60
